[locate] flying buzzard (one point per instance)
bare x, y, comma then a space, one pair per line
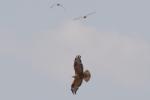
79, 74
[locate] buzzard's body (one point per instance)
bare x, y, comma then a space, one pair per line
79, 74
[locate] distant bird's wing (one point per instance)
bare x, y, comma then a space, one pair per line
62, 6
78, 18
53, 5
90, 13
76, 84
57, 4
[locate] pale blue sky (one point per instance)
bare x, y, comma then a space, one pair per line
38, 45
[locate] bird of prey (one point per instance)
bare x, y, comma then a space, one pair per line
84, 17
58, 5
80, 75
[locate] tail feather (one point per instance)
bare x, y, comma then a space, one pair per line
87, 75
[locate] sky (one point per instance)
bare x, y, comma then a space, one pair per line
38, 45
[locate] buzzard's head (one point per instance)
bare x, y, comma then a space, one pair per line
78, 59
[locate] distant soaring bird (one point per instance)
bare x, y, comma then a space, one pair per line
79, 74
58, 5
84, 17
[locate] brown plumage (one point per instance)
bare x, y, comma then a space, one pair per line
79, 74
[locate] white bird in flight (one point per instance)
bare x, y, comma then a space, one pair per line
84, 17
58, 5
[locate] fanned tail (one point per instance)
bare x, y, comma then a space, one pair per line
87, 75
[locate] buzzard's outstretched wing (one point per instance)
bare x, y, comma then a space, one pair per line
76, 84
78, 66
